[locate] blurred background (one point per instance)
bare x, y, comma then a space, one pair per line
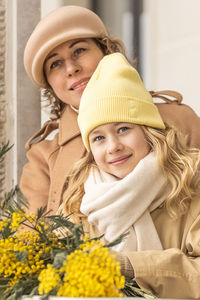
163, 36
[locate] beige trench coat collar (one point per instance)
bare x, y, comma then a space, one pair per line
68, 120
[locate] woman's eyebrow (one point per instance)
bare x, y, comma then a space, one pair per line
50, 56
75, 42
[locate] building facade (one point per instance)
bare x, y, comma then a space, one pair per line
164, 36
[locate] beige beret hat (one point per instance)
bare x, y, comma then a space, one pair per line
62, 24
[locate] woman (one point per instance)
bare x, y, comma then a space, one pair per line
60, 56
137, 178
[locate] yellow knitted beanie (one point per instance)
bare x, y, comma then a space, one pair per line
116, 93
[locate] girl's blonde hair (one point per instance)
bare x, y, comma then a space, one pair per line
108, 45
179, 164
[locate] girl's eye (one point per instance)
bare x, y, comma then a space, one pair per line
79, 51
55, 64
98, 138
122, 129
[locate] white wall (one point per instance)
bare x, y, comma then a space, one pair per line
171, 47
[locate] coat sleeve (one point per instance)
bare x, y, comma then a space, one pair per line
171, 273
35, 179
184, 118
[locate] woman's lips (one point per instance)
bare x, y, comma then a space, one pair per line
79, 85
119, 160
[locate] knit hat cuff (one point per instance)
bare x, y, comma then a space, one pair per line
118, 109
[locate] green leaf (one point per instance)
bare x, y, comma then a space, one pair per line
132, 289
58, 259
34, 291
61, 221
3, 288
13, 297
13, 201
6, 232
4, 280
4, 149
22, 287
21, 199
22, 256
117, 241
40, 212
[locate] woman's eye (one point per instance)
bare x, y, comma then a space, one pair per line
79, 51
122, 129
98, 138
55, 64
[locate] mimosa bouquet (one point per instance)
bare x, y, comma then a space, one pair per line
35, 259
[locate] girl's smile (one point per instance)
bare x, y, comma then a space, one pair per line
120, 160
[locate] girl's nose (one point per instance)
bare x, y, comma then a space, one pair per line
71, 68
114, 145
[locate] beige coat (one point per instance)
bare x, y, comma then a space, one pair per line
49, 161
175, 271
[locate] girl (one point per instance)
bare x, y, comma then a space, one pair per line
60, 56
137, 178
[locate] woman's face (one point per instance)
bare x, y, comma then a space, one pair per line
118, 147
69, 66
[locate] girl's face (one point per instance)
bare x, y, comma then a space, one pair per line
118, 147
69, 67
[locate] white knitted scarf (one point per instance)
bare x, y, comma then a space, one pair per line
120, 206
